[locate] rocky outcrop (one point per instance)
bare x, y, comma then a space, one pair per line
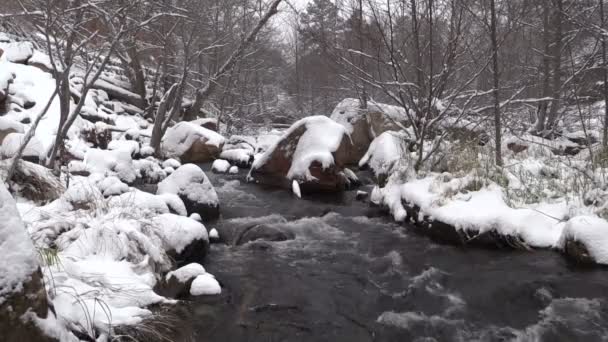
193, 187
191, 143
313, 152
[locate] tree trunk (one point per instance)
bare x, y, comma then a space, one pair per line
605, 75
541, 115
557, 67
495, 72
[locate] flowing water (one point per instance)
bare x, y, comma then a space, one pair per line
353, 275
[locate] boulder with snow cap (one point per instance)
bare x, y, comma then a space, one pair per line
364, 125
8, 126
585, 240
191, 184
11, 143
191, 143
177, 283
22, 294
186, 240
383, 155
208, 123
354, 119
17, 52
313, 151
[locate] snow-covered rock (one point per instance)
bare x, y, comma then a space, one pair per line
233, 170
21, 286
191, 143
17, 52
8, 126
585, 239
171, 163
220, 166
208, 123
354, 119
364, 125
312, 151
205, 284
111, 163
383, 155
240, 157
213, 234
11, 143
185, 239
191, 184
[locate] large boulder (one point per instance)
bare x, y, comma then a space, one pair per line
364, 125
191, 143
191, 184
354, 119
313, 152
22, 294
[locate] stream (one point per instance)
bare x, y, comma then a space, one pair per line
351, 274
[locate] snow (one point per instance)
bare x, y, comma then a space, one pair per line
33, 83
383, 153
348, 111
179, 138
233, 170
205, 284
174, 203
592, 232
321, 138
141, 201
220, 166
17, 52
117, 162
171, 163
179, 231
238, 155
6, 78
10, 125
129, 146
295, 188
189, 180
12, 142
112, 186
42, 59
213, 234
187, 272
539, 225
19, 258
196, 217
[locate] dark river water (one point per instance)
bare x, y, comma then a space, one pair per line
353, 275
